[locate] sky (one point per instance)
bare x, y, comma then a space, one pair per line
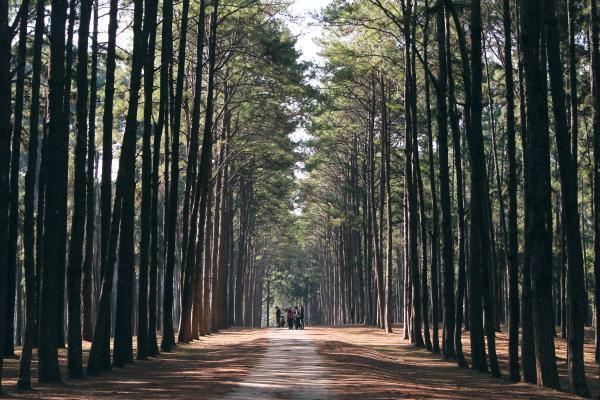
302, 23
305, 27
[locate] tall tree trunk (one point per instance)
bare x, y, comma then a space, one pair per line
411, 188
367, 244
223, 246
229, 254
214, 299
572, 101
527, 345
215, 285
40, 214
165, 60
106, 181
461, 282
123, 346
168, 339
434, 206
480, 187
68, 81
576, 292
90, 222
19, 302
56, 192
479, 241
31, 314
538, 234
595, 75
107, 123
205, 167
13, 222
207, 266
186, 331
447, 242
74, 268
386, 146
239, 274
495, 165
145, 214
225, 231
5, 103
373, 214
513, 237
418, 185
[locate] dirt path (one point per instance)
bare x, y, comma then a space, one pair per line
319, 363
291, 368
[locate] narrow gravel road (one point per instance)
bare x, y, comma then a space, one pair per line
291, 368
350, 362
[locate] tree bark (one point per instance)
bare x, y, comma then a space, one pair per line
13, 222
123, 346
461, 282
373, 216
74, 267
166, 58
5, 103
68, 81
576, 292
411, 188
106, 187
90, 222
538, 234
186, 331
447, 242
513, 238
388, 200
56, 192
145, 214
595, 75
31, 314
168, 339
434, 206
527, 346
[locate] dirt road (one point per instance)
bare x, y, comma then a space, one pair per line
291, 368
318, 363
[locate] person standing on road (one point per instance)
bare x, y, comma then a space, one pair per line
295, 317
278, 316
290, 318
301, 313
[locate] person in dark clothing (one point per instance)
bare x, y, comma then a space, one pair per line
296, 318
290, 318
301, 316
278, 316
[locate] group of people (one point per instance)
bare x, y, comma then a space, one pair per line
294, 317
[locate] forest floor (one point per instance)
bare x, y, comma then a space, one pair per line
318, 363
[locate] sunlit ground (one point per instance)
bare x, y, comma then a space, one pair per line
389, 367
213, 365
344, 362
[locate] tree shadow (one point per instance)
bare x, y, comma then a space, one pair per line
209, 368
390, 367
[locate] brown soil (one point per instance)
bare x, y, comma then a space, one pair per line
389, 367
210, 367
350, 362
